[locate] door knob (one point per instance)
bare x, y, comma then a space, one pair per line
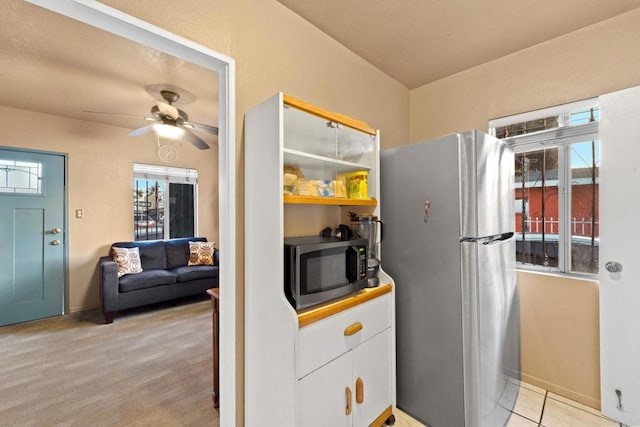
55, 242
613, 267
55, 230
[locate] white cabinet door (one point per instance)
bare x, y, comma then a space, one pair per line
323, 396
372, 366
619, 237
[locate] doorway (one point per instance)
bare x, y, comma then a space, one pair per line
32, 223
114, 21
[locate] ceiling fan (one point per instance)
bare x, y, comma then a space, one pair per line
170, 122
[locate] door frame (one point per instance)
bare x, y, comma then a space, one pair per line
114, 21
65, 217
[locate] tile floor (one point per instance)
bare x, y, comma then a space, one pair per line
537, 407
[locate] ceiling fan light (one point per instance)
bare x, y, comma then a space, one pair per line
168, 131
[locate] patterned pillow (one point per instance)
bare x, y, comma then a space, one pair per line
201, 253
128, 260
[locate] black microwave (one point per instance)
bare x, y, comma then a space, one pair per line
318, 269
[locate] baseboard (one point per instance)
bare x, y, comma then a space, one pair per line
73, 310
562, 391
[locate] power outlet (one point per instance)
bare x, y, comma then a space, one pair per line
79, 213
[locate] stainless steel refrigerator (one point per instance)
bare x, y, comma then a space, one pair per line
449, 221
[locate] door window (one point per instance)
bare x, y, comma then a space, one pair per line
20, 177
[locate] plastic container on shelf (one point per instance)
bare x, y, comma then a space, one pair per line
357, 187
315, 187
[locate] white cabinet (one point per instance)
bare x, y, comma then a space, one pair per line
324, 151
344, 366
324, 340
619, 237
297, 371
323, 395
372, 375
352, 390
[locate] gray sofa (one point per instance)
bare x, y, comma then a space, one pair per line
165, 276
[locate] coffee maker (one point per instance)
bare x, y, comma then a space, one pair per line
366, 226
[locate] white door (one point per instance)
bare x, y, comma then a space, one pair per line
326, 396
619, 239
372, 369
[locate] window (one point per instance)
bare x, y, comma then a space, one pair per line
164, 202
20, 177
556, 186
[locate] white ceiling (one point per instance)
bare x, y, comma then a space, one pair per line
56, 65
419, 41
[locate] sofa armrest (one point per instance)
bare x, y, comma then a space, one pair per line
108, 271
216, 257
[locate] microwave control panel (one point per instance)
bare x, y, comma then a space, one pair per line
362, 254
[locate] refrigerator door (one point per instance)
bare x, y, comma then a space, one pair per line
456, 309
490, 332
423, 256
486, 185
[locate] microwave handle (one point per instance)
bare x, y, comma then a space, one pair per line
353, 261
381, 230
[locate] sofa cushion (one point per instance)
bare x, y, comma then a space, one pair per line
201, 253
152, 253
128, 260
146, 279
178, 250
195, 272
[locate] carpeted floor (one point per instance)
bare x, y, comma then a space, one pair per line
151, 367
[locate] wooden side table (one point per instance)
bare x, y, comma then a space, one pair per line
215, 299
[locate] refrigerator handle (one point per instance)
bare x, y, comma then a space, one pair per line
497, 239
489, 240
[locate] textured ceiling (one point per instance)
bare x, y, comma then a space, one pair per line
419, 41
56, 65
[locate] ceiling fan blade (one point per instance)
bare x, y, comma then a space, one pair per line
117, 114
168, 110
195, 140
199, 126
141, 131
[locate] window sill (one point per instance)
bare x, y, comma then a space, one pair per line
543, 272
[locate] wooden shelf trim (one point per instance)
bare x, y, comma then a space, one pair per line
335, 117
380, 421
308, 316
335, 201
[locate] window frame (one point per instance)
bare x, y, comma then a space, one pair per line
167, 175
562, 138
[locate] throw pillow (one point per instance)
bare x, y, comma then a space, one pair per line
128, 260
201, 253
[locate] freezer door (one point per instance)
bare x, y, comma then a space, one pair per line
486, 185
490, 332
422, 254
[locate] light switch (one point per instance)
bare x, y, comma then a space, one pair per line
79, 213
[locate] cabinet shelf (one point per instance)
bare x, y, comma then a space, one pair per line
333, 201
307, 160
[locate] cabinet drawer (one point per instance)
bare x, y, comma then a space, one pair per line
327, 339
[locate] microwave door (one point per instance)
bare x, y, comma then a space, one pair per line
330, 273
